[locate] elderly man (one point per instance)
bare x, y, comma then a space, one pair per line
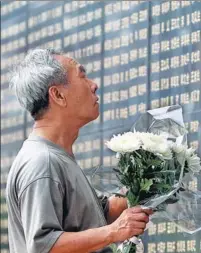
51, 205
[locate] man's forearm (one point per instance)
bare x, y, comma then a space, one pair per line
83, 242
116, 206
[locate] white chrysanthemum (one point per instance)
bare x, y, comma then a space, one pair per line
178, 148
189, 152
124, 143
156, 144
130, 141
194, 163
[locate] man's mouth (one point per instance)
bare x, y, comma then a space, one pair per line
97, 99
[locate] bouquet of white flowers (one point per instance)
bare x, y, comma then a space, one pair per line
155, 164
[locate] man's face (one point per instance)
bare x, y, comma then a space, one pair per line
80, 92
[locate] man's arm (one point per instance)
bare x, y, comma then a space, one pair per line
131, 222
116, 206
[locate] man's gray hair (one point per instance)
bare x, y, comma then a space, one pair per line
32, 78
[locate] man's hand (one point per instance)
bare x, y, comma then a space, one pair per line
131, 222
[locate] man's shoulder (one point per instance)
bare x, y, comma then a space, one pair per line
34, 161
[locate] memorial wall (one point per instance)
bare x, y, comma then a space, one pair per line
142, 55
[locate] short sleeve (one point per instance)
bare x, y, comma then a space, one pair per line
41, 209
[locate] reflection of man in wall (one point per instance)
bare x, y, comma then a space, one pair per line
51, 205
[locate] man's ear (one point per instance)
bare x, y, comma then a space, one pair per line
57, 95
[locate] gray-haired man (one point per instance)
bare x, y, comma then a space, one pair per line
51, 205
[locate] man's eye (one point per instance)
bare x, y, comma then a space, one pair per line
82, 69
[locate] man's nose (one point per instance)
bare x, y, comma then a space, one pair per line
94, 87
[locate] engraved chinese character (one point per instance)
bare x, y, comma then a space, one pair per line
195, 37
142, 107
171, 246
124, 113
124, 40
143, 34
132, 109
125, 23
196, 17
164, 101
175, 22
165, 7
195, 76
184, 79
143, 15
156, 29
133, 73
161, 247
116, 43
152, 230
195, 56
152, 248
124, 58
141, 89
142, 52
115, 78
107, 62
116, 25
184, 98
133, 91
142, 71
185, 59
185, 39
115, 96
175, 5
125, 5
108, 27
194, 144
133, 55
161, 228
164, 83
175, 43
134, 18
165, 64
97, 48
175, 62
123, 95
155, 103
171, 228
191, 246
165, 45
155, 67
194, 126
156, 10
181, 246
195, 96
193, 185
155, 48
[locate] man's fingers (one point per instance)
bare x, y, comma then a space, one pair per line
140, 217
136, 209
148, 211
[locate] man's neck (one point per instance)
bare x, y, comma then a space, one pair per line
57, 133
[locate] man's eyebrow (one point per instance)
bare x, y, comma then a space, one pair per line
82, 68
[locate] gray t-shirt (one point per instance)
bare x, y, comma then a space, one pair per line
47, 193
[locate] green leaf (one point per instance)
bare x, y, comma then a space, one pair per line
113, 248
132, 199
146, 184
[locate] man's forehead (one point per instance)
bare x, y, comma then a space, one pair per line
72, 61
67, 60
